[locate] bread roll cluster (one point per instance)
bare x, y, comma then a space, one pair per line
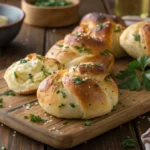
79, 84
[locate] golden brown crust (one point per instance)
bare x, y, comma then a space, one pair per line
92, 96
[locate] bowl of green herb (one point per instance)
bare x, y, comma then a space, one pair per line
51, 13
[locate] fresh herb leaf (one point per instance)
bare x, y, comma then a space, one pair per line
57, 92
117, 29
22, 61
9, 92
60, 45
72, 105
3, 148
63, 93
65, 123
100, 25
26, 117
34, 118
30, 76
1, 100
87, 123
129, 143
78, 80
105, 52
136, 37
40, 56
15, 74
62, 105
134, 80
1, 105
82, 49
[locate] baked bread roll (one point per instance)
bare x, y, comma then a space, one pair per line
80, 49
136, 39
106, 28
25, 75
85, 91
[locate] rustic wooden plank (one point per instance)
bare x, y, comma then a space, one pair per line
13, 140
53, 131
109, 141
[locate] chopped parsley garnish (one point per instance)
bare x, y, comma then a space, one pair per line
1, 105
129, 143
66, 46
105, 52
72, 105
30, 76
63, 93
100, 25
65, 123
40, 56
22, 61
26, 117
77, 34
136, 37
1, 100
3, 148
132, 80
62, 105
82, 49
78, 80
15, 74
34, 118
114, 108
87, 123
52, 3
9, 92
117, 29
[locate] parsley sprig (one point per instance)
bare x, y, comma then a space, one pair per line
129, 143
134, 80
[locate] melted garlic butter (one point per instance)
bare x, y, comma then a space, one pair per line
3, 20
28, 75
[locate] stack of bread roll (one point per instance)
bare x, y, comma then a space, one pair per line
79, 84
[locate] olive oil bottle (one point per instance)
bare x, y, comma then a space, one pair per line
132, 7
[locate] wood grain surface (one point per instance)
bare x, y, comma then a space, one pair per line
40, 40
53, 132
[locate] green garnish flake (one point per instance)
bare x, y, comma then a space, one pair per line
1, 105
114, 108
78, 80
117, 29
100, 25
105, 52
26, 117
65, 123
82, 49
87, 123
107, 78
77, 34
30, 76
62, 105
129, 143
3, 148
66, 46
51, 3
9, 92
132, 80
63, 93
1, 100
34, 118
40, 56
22, 61
15, 74
136, 37
72, 105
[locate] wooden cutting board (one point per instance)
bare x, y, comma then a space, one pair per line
53, 132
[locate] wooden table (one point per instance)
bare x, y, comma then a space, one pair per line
39, 40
